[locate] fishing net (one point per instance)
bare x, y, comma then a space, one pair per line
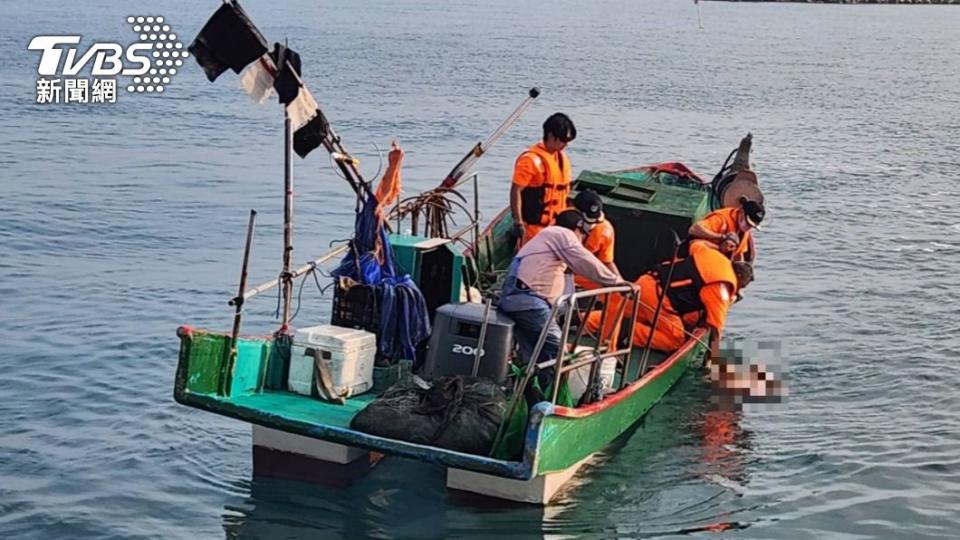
458, 413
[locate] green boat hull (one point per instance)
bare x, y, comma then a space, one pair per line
556, 437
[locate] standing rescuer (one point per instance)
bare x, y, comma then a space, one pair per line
600, 235
729, 223
535, 281
541, 179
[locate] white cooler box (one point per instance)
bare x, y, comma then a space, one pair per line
348, 352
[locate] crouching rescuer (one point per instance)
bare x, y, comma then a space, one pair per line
535, 281
704, 283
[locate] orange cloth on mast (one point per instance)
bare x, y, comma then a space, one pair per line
389, 188
723, 221
600, 242
545, 171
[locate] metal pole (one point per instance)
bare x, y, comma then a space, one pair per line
483, 335
476, 209
583, 322
593, 380
656, 313
522, 382
558, 367
286, 276
463, 167
293, 275
632, 321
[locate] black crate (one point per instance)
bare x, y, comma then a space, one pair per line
356, 307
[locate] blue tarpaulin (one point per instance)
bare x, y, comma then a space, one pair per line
404, 321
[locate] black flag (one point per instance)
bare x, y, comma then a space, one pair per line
311, 135
286, 83
228, 40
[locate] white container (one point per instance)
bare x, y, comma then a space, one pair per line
578, 379
349, 354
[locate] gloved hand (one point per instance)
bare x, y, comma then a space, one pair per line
730, 237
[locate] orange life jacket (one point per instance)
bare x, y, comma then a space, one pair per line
731, 224
542, 202
692, 274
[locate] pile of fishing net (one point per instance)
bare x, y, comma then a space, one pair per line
458, 413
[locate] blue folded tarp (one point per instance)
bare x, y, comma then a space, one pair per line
404, 321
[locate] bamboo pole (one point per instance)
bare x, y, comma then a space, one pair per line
235, 334
243, 281
285, 275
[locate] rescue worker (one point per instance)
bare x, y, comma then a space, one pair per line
535, 281
706, 282
740, 221
600, 234
541, 179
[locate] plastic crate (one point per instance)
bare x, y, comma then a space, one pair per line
356, 307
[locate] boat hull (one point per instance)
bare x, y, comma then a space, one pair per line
557, 438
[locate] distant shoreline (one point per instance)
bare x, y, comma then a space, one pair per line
914, 2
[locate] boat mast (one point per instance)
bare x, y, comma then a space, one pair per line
285, 275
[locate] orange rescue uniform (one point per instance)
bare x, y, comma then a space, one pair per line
545, 179
704, 282
599, 242
723, 221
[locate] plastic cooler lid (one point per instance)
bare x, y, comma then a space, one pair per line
334, 337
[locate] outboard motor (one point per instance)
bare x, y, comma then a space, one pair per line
456, 337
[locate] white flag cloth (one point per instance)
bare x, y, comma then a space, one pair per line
302, 109
257, 79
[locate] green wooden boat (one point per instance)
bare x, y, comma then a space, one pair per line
303, 437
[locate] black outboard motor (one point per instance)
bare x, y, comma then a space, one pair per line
456, 337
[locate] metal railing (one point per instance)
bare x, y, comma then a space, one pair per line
606, 346
603, 348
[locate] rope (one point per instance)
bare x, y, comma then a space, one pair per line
437, 208
300, 295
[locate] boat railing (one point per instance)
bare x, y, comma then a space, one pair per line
606, 344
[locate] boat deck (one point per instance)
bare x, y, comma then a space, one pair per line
311, 417
305, 409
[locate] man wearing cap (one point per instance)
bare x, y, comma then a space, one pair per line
727, 223
541, 179
600, 235
535, 281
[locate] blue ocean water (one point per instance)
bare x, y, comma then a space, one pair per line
120, 222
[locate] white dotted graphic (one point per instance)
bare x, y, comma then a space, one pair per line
166, 53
